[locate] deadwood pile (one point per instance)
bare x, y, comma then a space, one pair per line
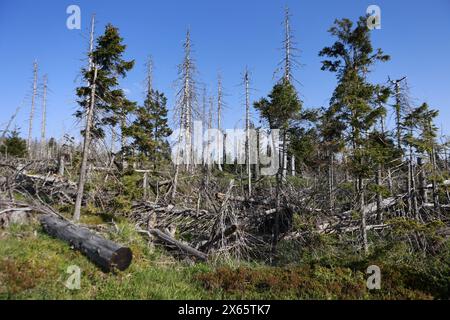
215, 223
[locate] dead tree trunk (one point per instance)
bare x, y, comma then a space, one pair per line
422, 181
61, 163
219, 111
107, 254
247, 131
378, 179
86, 144
331, 182
33, 99
43, 120
87, 132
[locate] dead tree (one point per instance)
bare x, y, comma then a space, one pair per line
186, 99
87, 132
247, 131
219, 112
11, 120
33, 101
287, 47
398, 110
288, 63
44, 118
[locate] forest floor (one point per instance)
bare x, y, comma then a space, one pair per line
34, 266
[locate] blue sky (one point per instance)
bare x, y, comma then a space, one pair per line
227, 36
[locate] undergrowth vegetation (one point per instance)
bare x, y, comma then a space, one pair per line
34, 266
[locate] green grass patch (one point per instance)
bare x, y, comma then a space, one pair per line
34, 266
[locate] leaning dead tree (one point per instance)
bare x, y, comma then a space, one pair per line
87, 132
10, 122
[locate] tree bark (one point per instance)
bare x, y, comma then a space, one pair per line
107, 254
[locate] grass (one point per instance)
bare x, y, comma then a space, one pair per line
33, 266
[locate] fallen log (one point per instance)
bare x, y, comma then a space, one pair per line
171, 241
107, 254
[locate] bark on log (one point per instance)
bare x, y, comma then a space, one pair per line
107, 254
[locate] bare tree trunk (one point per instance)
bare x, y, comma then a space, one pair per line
186, 98
390, 183
247, 131
219, 111
145, 185
434, 182
10, 122
87, 133
378, 179
398, 115
331, 182
285, 143
414, 189
397, 107
175, 182
422, 181
33, 100
61, 164
123, 141
445, 158
363, 215
287, 46
257, 168
44, 119
409, 191
210, 124
86, 144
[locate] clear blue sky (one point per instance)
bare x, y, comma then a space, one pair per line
227, 36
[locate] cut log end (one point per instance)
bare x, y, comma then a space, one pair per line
121, 259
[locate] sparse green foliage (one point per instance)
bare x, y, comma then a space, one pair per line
281, 107
14, 145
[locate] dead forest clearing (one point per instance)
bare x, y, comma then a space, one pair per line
348, 190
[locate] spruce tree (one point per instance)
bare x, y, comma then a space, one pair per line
110, 100
150, 128
101, 100
355, 101
13, 145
